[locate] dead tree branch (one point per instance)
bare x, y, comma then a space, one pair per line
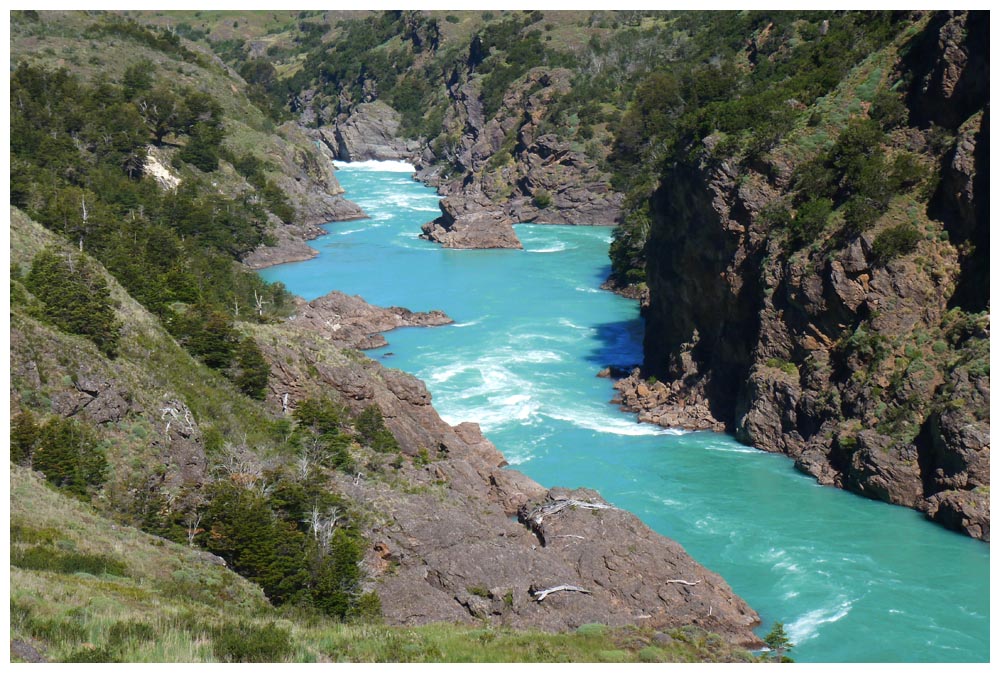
540, 594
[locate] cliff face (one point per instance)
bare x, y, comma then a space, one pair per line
872, 373
306, 177
508, 167
491, 172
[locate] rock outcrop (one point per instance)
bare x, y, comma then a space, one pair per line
355, 323
504, 170
370, 131
469, 223
871, 373
455, 536
307, 178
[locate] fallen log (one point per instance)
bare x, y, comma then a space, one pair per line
540, 594
540, 512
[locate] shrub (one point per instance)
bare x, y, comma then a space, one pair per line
542, 199
896, 241
373, 430
24, 434
785, 366
68, 454
252, 370
92, 655
859, 214
810, 220
368, 607
247, 642
67, 563
124, 632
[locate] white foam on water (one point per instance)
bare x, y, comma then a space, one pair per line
565, 322
589, 290
732, 449
605, 424
772, 554
411, 202
345, 232
556, 247
534, 356
373, 165
807, 626
787, 566
470, 323
666, 502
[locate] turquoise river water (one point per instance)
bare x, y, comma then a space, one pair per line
853, 580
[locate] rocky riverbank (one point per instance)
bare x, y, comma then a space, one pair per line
868, 368
455, 535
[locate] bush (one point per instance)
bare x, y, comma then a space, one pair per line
24, 433
542, 199
122, 633
373, 430
92, 655
252, 370
246, 642
76, 298
67, 563
810, 220
896, 241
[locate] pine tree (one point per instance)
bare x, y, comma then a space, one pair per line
76, 298
777, 640
24, 433
253, 370
69, 456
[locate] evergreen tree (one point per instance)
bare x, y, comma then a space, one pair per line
373, 430
24, 434
777, 640
252, 370
76, 298
68, 454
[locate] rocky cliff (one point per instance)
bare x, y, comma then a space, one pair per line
498, 171
457, 537
491, 172
869, 368
306, 176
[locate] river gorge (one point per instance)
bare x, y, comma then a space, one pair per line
852, 579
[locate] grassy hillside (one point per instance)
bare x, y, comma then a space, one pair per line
84, 589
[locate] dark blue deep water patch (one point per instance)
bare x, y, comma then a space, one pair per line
853, 580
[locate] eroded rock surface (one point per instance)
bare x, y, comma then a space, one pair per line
456, 536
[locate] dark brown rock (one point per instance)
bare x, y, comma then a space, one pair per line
884, 398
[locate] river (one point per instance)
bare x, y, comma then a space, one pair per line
853, 580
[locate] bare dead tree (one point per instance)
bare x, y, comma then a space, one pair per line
192, 522
322, 526
259, 300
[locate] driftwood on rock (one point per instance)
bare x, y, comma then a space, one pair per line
540, 594
540, 512
685, 582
